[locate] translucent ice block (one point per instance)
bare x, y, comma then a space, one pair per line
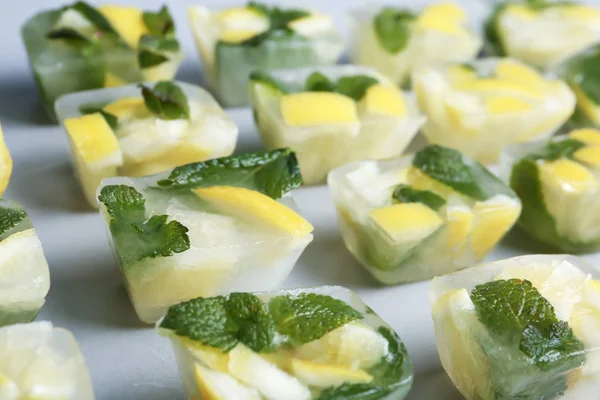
422, 215
481, 107
301, 344
38, 361
521, 328
140, 142
205, 229
332, 116
80, 47
542, 36
558, 182
237, 41
24, 274
398, 41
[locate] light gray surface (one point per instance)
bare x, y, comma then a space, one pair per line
130, 361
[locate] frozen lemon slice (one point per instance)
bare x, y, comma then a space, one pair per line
497, 86
516, 72
6, 164
567, 175
128, 108
112, 80
444, 17
214, 385
92, 137
270, 381
243, 18
212, 357
312, 25
8, 388
493, 218
421, 181
460, 73
590, 136
406, 222
237, 36
449, 11
589, 107
499, 105
256, 206
317, 108
384, 100
460, 221
589, 155
324, 375
127, 21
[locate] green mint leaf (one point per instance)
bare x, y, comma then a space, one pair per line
136, 237
263, 77
491, 32
514, 311
584, 72
260, 7
317, 82
406, 194
555, 150
279, 20
166, 100
392, 27
147, 58
68, 34
159, 23
94, 16
110, 119
272, 173
9, 218
355, 86
223, 322
448, 166
309, 316
152, 50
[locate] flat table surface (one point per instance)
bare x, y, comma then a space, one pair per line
128, 360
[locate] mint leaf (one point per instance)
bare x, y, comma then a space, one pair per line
279, 20
491, 33
263, 77
317, 82
392, 28
584, 72
406, 194
68, 34
9, 218
309, 316
159, 23
152, 50
223, 322
354, 86
94, 16
136, 237
556, 150
273, 173
110, 119
166, 100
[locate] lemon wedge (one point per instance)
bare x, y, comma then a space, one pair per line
443, 17
493, 218
324, 375
588, 155
384, 100
406, 222
566, 175
255, 206
6, 164
127, 21
459, 223
128, 108
590, 136
421, 181
214, 385
317, 108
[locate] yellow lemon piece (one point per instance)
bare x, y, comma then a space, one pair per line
450, 11
255, 206
92, 137
460, 73
128, 108
579, 12
587, 105
514, 71
384, 100
588, 155
590, 136
443, 17
500, 105
317, 108
237, 35
312, 25
243, 18
326, 375
127, 21
493, 218
406, 221
521, 11
111, 80
460, 221
568, 175
212, 357
421, 181
497, 86
214, 385
6, 164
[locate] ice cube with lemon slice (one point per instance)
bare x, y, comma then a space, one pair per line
82, 47
542, 33
205, 229
423, 215
558, 182
320, 343
331, 116
39, 361
398, 40
24, 274
142, 130
483, 106
525, 327
234, 42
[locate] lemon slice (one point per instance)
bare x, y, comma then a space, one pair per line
493, 219
318, 108
312, 25
588, 155
128, 108
127, 21
443, 17
257, 207
6, 164
324, 375
421, 181
590, 136
212, 357
514, 71
384, 100
501, 105
459, 223
112, 80
406, 222
566, 175
498, 86
219, 386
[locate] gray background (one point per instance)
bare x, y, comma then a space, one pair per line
126, 359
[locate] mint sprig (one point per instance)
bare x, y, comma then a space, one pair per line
407, 194
272, 173
137, 237
166, 100
392, 28
159, 23
153, 50
10, 218
354, 86
110, 119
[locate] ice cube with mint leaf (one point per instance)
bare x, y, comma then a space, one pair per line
520, 328
318, 343
82, 47
205, 229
